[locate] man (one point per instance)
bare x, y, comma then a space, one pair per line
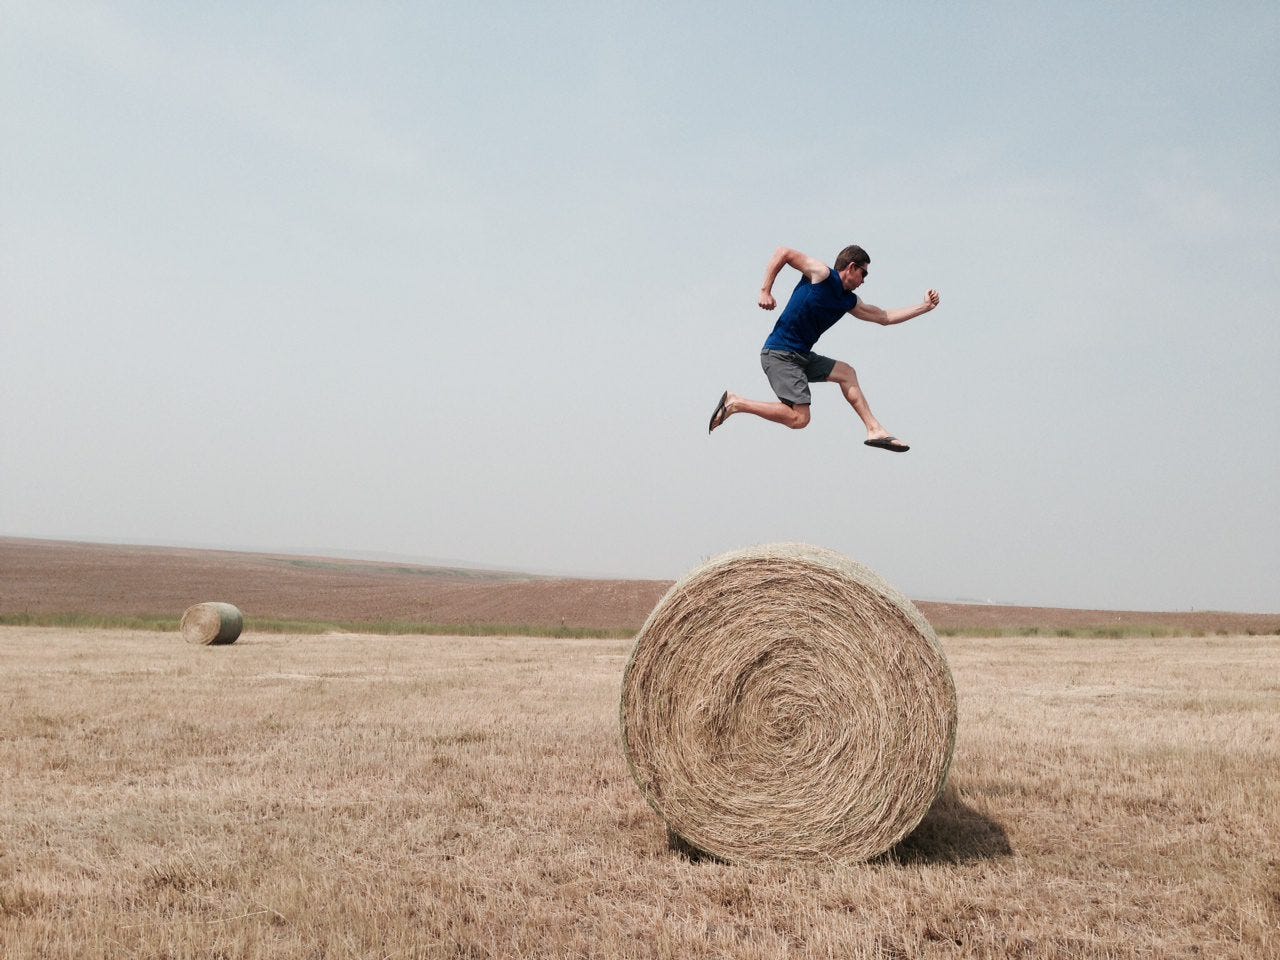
822, 297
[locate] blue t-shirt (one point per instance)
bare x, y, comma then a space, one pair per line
810, 312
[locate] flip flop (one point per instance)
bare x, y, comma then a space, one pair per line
718, 416
888, 443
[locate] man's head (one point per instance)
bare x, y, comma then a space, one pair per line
852, 263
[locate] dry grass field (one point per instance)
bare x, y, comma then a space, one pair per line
354, 796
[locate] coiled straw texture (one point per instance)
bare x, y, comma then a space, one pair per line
784, 703
211, 624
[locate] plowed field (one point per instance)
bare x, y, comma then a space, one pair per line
56, 577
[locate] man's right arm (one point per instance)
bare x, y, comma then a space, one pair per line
815, 270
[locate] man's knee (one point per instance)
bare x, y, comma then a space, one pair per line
799, 417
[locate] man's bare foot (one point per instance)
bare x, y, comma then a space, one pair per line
886, 442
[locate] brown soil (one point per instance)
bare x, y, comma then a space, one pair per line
58, 577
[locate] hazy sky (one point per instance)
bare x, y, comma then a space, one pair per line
464, 282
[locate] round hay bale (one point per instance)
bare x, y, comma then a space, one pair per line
212, 623
785, 703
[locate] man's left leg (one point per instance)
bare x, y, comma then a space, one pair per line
847, 378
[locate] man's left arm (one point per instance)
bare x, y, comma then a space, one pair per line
874, 314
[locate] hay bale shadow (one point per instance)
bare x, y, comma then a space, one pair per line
952, 832
678, 844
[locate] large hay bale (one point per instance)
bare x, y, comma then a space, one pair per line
785, 703
212, 623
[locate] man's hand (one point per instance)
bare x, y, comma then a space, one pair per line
873, 314
815, 270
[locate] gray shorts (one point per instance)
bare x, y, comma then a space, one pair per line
790, 373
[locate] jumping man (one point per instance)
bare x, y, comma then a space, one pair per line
822, 297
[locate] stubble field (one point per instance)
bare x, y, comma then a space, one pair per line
415, 797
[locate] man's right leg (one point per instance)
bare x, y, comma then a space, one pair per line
797, 417
790, 383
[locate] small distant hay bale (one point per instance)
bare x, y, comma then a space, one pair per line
784, 703
212, 624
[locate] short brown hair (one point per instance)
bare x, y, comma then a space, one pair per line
852, 254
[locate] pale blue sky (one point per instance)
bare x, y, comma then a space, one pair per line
464, 283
